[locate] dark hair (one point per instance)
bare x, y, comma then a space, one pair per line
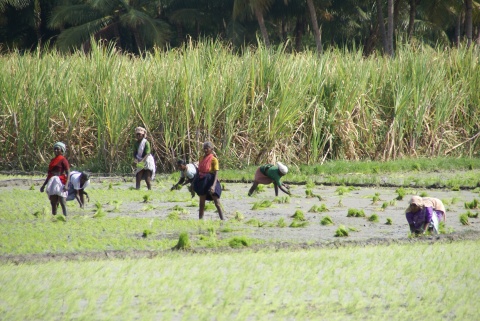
181, 162
85, 176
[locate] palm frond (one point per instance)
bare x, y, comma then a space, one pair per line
74, 37
17, 4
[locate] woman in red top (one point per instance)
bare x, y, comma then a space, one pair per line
57, 179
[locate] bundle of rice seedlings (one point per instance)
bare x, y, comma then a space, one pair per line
147, 198
180, 209
173, 215
385, 205
327, 220
353, 229
282, 200
472, 215
341, 231
376, 198
238, 242
281, 222
373, 218
146, 233
309, 193
389, 221
471, 205
318, 209
255, 222
464, 219
99, 213
297, 223
261, 205
353, 212
423, 194
60, 218
310, 184
238, 216
400, 193
210, 206
298, 215
183, 242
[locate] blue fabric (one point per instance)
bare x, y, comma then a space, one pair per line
201, 186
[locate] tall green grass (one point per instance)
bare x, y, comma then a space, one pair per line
261, 106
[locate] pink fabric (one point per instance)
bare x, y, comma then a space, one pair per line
260, 178
204, 165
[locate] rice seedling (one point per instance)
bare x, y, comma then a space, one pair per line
327, 220
238, 216
99, 213
376, 198
373, 218
423, 194
464, 219
389, 221
146, 233
281, 223
238, 242
341, 231
385, 205
353, 229
318, 208
60, 218
393, 202
455, 188
98, 205
148, 207
174, 215
226, 229
183, 242
32, 187
193, 203
400, 193
282, 199
341, 190
310, 184
472, 215
147, 198
298, 215
309, 193
116, 205
296, 224
180, 209
353, 212
255, 222
262, 205
209, 206
260, 188
471, 205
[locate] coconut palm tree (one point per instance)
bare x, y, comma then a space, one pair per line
244, 8
116, 20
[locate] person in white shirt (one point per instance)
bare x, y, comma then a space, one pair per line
187, 175
76, 188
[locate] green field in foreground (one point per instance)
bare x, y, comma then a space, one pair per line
398, 282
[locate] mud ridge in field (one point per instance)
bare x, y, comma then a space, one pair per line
279, 246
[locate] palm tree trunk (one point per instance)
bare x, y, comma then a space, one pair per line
37, 12
261, 23
316, 30
458, 31
390, 27
411, 20
381, 26
299, 30
468, 21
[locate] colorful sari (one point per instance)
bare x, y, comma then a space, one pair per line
206, 178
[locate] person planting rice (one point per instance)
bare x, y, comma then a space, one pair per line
206, 183
425, 214
143, 159
76, 189
57, 179
188, 172
267, 174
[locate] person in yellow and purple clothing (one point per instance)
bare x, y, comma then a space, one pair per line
206, 183
267, 174
143, 159
425, 214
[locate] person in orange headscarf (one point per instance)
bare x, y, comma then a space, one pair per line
57, 179
206, 183
425, 214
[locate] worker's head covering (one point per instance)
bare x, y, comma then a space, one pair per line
61, 146
282, 168
141, 130
415, 200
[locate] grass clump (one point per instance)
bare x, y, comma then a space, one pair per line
238, 216
255, 222
318, 209
389, 221
99, 213
183, 242
174, 215
146, 233
238, 242
60, 218
210, 206
261, 205
385, 205
376, 198
147, 198
281, 223
471, 205
298, 215
353, 212
373, 218
327, 220
400, 193
309, 193
297, 223
341, 231
341, 190
464, 219
282, 199
180, 209
472, 215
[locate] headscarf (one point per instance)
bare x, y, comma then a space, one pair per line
282, 168
141, 130
61, 146
208, 144
417, 200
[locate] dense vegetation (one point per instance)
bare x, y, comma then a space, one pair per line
261, 106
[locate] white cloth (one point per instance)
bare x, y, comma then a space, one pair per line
282, 168
189, 172
55, 187
75, 180
140, 149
